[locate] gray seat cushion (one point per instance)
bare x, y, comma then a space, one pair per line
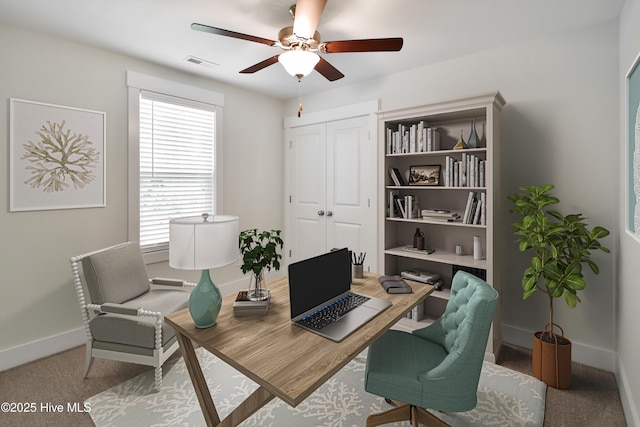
140, 332
116, 275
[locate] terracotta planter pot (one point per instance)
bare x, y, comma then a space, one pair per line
551, 362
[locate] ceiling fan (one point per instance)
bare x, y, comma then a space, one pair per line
301, 42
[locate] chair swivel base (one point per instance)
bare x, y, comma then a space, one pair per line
404, 412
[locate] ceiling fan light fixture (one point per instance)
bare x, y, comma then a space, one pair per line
298, 62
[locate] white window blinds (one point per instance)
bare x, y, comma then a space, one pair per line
177, 164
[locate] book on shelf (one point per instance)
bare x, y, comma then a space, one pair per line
468, 207
243, 306
469, 171
393, 207
420, 275
396, 177
440, 215
407, 206
414, 138
475, 209
426, 251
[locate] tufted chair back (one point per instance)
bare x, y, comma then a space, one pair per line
463, 330
437, 367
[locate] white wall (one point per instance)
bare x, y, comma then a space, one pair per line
37, 296
560, 125
627, 312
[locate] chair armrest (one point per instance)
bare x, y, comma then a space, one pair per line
118, 309
171, 284
124, 310
167, 282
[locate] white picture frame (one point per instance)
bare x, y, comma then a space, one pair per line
56, 157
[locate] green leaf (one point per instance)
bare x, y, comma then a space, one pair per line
599, 232
571, 299
575, 282
528, 293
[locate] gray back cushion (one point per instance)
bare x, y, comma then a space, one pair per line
116, 275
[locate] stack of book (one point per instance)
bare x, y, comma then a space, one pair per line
440, 215
423, 276
243, 306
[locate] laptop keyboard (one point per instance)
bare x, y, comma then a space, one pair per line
334, 311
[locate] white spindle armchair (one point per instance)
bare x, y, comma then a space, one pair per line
123, 311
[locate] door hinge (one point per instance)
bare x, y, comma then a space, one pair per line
368, 203
290, 143
289, 253
289, 198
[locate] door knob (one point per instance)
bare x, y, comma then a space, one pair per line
320, 213
329, 213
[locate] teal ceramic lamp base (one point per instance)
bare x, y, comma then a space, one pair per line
205, 302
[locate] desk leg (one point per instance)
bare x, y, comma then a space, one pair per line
257, 400
199, 383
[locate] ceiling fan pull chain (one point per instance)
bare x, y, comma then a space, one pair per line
299, 96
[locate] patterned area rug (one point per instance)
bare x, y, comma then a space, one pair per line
505, 398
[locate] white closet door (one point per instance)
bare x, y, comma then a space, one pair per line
351, 172
308, 184
331, 179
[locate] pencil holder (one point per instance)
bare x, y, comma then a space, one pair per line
358, 271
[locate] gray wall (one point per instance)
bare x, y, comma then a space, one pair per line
628, 268
560, 126
38, 299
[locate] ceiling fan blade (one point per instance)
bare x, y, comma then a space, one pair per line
260, 65
307, 16
365, 45
330, 72
227, 33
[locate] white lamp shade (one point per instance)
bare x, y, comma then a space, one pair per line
298, 62
196, 244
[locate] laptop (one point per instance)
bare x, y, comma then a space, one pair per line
320, 293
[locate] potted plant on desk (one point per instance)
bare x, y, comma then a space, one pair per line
259, 253
561, 245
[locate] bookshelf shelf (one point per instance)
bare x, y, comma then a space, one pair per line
438, 153
425, 136
435, 222
440, 256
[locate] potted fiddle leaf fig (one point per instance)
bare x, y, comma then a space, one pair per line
561, 245
259, 253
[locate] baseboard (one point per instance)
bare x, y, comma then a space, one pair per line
581, 353
630, 410
24, 353
28, 352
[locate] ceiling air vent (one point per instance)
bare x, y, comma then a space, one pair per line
201, 62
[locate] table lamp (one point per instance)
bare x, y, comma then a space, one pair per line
201, 243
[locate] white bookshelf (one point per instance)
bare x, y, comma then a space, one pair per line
449, 118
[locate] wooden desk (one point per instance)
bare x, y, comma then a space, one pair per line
285, 360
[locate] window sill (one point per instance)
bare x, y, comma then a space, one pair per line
154, 257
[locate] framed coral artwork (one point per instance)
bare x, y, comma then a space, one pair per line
632, 119
56, 157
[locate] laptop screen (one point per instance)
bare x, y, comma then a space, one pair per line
316, 280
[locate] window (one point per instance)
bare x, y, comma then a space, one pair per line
174, 172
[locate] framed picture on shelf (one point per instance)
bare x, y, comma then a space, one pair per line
424, 175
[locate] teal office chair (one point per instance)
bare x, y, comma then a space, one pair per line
437, 367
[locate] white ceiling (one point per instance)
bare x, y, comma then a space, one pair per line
433, 31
